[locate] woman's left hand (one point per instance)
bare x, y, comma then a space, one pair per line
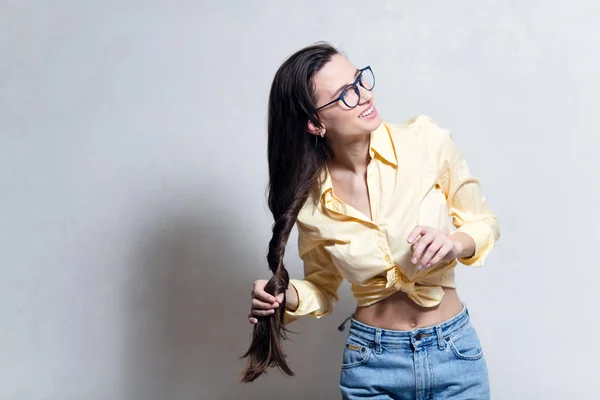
431, 245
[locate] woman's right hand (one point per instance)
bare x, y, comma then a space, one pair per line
264, 304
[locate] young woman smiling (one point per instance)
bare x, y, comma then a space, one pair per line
373, 202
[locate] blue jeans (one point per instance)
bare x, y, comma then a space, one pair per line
444, 361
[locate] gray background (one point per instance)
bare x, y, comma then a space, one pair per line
133, 172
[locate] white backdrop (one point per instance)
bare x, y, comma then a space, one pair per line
133, 217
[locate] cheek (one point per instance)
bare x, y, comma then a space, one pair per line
347, 122
347, 118
340, 120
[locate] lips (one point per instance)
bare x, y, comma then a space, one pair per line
367, 112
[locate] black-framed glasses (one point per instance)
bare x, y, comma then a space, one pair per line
350, 96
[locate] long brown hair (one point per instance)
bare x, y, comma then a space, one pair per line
296, 161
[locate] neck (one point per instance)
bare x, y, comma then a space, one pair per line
352, 155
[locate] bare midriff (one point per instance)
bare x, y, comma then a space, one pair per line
399, 312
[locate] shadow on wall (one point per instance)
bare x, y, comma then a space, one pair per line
181, 321
186, 303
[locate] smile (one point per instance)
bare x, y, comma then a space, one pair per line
367, 112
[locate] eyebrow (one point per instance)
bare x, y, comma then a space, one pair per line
346, 84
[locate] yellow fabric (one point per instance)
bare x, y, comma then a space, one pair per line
416, 176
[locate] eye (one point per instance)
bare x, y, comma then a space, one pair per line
367, 79
351, 96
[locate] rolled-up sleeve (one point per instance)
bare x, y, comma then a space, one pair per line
467, 205
318, 291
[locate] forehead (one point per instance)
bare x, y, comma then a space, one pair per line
336, 73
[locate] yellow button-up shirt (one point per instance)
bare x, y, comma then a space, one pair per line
416, 176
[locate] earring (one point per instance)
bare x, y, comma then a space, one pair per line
322, 134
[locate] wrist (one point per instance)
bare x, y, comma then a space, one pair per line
459, 248
463, 245
291, 298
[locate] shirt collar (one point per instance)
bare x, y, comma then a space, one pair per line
380, 144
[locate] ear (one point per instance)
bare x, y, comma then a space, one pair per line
313, 130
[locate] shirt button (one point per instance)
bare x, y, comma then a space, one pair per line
388, 258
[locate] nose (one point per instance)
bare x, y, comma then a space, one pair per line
365, 95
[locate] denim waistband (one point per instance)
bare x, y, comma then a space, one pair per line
425, 335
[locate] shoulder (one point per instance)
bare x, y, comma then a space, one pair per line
422, 129
309, 219
421, 125
308, 213
309, 223
423, 132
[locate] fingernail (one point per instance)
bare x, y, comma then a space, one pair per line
420, 267
429, 265
276, 305
414, 260
410, 239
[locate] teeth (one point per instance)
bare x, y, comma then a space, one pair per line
368, 112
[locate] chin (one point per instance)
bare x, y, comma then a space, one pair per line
372, 123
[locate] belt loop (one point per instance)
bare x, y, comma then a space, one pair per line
440, 337
343, 324
378, 341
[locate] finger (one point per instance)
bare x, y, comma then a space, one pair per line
432, 250
424, 242
252, 320
262, 313
261, 305
263, 296
415, 244
418, 231
279, 298
441, 254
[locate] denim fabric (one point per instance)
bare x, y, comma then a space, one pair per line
444, 361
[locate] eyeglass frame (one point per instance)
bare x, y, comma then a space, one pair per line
357, 80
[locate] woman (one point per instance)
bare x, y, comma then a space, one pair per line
372, 202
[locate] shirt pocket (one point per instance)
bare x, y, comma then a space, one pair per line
356, 260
